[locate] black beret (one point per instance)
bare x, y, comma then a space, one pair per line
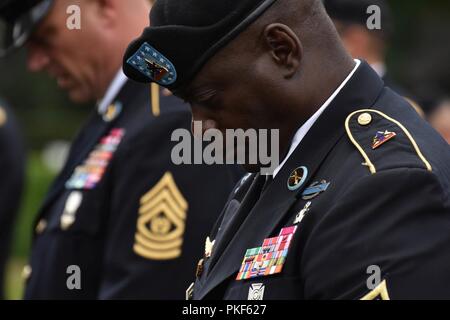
183, 35
355, 11
17, 21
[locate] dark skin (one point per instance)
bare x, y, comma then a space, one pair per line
270, 77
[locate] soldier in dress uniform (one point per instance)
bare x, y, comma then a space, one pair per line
121, 221
360, 206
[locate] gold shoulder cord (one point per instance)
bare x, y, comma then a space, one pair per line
156, 110
364, 154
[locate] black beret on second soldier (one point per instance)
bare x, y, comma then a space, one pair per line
184, 34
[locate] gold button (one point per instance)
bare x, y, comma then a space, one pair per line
365, 119
3, 116
26, 272
41, 226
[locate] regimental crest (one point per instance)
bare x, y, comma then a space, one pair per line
161, 221
152, 64
381, 138
297, 178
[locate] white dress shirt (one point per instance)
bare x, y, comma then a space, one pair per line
304, 129
113, 90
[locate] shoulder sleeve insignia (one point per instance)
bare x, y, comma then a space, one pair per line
3, 116
379, 293
371, 131
161, 221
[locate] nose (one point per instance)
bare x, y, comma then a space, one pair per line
37, 58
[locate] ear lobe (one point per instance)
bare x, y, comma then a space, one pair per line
285, 47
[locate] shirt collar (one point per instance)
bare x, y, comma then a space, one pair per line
380, 68
113, 90
301, 133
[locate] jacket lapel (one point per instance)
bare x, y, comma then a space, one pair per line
271, 209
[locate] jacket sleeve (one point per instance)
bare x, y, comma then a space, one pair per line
160, 216
396, 222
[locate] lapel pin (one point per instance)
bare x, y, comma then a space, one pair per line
112, 112
297, 178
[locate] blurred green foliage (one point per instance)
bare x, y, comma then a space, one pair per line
38, 181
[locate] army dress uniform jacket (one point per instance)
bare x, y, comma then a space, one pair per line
122, 221
361, 210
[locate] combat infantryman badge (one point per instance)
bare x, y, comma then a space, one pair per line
315, 189
381, 138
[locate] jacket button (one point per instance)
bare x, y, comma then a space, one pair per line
365, 119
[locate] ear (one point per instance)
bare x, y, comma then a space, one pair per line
285, 47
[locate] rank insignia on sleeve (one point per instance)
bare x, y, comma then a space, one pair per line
268, 259
90, 173
161, 222
381, 138
151, 63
